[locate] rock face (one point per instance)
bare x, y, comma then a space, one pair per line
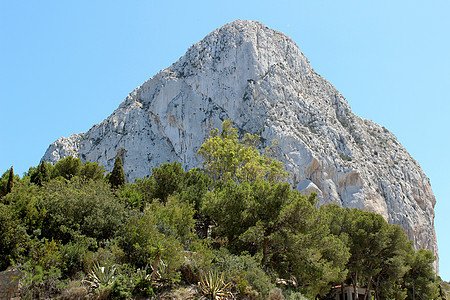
260, 79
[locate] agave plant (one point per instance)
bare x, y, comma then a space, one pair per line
101, 276
142, 274
213, 286
159, 271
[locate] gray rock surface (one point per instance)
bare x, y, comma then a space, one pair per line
260, 79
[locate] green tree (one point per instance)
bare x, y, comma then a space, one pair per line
366, 234
196, 184
228, 207
13, 238
282, 227
132, 196
92, 170
117, 177
314, 256
420, 281
145, 245
254, 211
225, 157
67, 167
368, 239
5, 180
393, 265
380, 253
10, 183
170, 178
41, 174
81, 208
166, 179
26, 203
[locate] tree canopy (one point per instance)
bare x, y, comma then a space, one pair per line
117, 176
228, 158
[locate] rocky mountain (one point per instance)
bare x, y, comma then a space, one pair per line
260, 79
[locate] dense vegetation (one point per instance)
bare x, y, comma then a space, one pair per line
235, 227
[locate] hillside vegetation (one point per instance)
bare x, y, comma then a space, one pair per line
233, 229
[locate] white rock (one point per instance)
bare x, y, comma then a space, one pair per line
259, 78
63, 147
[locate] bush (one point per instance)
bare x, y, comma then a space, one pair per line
42, 270
74, 291
122, 287
245, 271
92, 170
79, 207
196, 260
131, 196
144, 245
25, 201
143, 288
67, 167
74, 254
295, 296
13, 238
276, 294
174, 218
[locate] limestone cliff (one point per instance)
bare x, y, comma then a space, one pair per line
260, 79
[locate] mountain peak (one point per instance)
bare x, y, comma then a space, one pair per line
250, 43
259, 78
243, 25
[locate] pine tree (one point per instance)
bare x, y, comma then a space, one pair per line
117, 176
41, 174
67, 167
10, 184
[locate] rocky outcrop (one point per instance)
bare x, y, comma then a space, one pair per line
260, 79
63, 147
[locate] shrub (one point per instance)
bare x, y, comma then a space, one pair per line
276, 294
122, 287
197, 260
79, 207
41, 270
131, 196
245, 271
74, 291
67, 167
25, 201
13, 237
295, 296
74, 254
92, 170
143, 288
144, 245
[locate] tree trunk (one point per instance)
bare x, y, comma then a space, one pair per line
368, 288
355, 286
265, 246
377, 288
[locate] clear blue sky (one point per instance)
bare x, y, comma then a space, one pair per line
66, 65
